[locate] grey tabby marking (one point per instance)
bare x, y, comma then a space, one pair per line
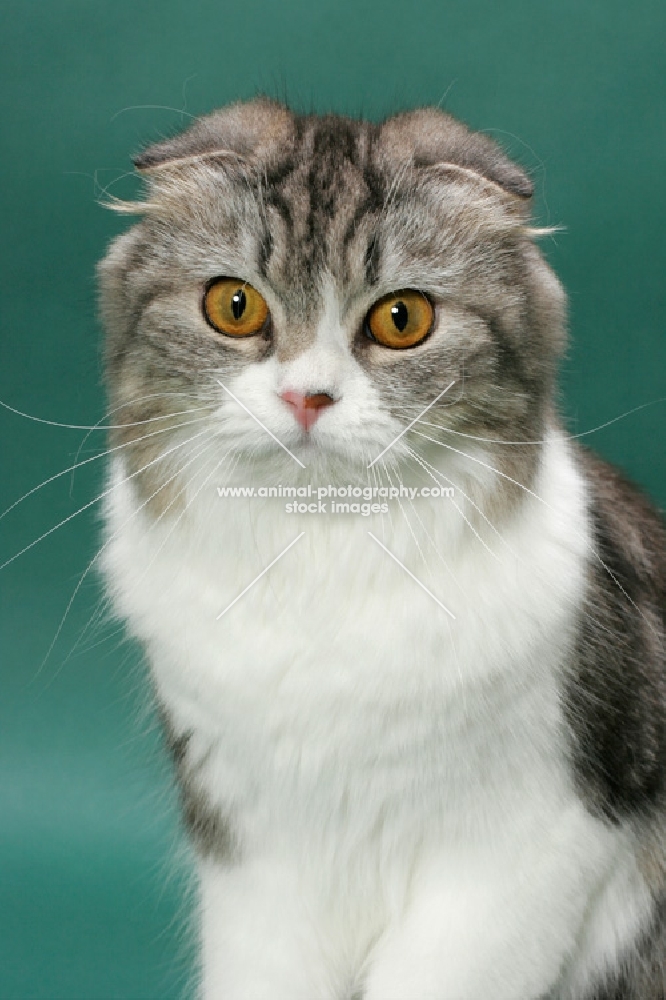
210, 832
617, 692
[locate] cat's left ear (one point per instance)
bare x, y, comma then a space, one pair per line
241, 132
433, 139
230, 141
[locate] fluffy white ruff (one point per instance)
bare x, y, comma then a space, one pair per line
397, 779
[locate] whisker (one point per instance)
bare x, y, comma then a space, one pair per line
424, 529
537, 441
208, 444
101, 454
372, 470
526, 489
132, 402
106, 427
95, 622
519, 558
182, 514
381, 483
469, 524
97, 641
402, 510
452, 637
100, 496
485, 465
427, 466
151, 107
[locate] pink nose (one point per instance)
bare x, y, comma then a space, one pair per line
307, 408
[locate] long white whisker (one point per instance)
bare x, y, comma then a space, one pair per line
93, 622
182, 514
519, 558
537, 441
151, 107
104, 427
380, 483
133, 402
93, 458
100, 496
589, 544
373, 471
92, 562
463, 687
473, 458
404, 514
426, 466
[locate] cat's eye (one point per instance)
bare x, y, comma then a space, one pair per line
233, 307
401, 319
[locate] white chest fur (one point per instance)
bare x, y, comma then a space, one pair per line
357, 732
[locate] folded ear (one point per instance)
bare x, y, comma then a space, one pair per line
242, 131
435, 139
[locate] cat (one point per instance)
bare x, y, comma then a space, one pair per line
421, 751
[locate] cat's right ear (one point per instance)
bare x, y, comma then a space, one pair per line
433, 140
242, 132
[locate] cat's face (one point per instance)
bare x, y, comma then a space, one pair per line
371, 265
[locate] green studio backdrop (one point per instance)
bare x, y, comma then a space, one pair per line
94, 879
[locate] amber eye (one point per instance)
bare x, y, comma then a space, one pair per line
401, 319
233, 307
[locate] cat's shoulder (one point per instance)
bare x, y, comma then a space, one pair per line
616, 688
627, 527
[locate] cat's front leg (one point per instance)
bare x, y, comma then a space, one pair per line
260, 938
480, 924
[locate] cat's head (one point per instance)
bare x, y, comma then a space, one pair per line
321, 281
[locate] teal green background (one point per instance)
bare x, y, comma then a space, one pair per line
94, 882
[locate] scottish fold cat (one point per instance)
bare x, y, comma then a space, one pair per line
421, 747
